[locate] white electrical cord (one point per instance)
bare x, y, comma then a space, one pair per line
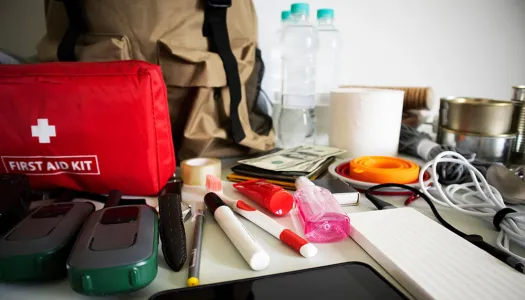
476, 198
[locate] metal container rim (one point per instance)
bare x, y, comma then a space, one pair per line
477, 101
504, 135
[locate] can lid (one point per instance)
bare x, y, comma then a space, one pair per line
280, 203
213, 201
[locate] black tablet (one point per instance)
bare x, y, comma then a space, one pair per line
342, 281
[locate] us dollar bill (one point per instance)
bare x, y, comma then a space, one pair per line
299, 159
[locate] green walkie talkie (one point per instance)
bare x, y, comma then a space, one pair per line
37, 248
116, 252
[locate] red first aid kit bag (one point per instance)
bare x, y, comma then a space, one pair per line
87, 126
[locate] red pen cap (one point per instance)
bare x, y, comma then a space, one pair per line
270, 196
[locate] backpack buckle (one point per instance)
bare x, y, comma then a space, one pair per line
219, 3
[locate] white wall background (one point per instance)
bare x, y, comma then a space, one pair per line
459, 47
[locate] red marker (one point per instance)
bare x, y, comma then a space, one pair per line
268, 224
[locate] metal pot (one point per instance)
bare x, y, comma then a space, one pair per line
494, 148
481, 116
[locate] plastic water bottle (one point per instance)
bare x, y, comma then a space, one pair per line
299, 45
276, 56
277, 72
328, 71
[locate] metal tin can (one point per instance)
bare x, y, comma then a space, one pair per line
518, 149
479, 116
492, 148
519, 93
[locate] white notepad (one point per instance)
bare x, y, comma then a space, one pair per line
432, 262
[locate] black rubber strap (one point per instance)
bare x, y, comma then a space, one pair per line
76, 26
216, 29
500, 215
171, 227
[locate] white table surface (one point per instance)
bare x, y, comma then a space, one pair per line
220, 260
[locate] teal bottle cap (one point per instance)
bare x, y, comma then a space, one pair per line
325, 13
300, 8
285, 15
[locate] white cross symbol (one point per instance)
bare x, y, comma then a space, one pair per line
43, 131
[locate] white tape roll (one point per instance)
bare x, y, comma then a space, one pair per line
194, 170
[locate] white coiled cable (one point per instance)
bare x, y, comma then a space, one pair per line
476, 198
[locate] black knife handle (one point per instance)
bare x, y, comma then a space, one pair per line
171, 227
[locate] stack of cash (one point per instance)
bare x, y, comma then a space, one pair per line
300, 159
284, 166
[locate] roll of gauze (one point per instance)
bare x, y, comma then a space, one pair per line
366, 121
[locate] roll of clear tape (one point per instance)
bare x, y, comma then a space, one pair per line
195, 170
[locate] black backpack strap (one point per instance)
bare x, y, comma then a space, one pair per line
76, 26
215, 28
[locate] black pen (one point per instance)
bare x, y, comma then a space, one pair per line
195, 254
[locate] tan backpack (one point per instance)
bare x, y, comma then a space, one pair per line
207, 51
